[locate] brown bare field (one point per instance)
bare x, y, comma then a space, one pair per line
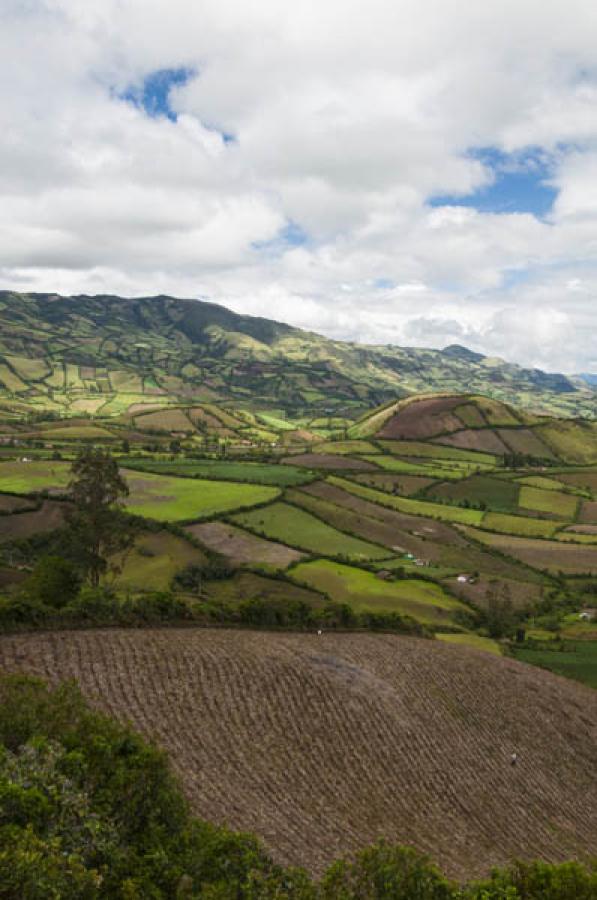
586, 479
484, 439
523, 440
422, 419
588, 512
242, 547
329, 461
553, 556
520, 592
582, 529
164, 420
10, 503
25, 524
321, 745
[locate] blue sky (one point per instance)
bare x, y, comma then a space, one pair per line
520, 184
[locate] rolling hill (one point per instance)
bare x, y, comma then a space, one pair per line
323, 744
102, 355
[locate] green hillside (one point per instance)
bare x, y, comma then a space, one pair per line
105, 355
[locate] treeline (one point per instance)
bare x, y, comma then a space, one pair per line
53, 597
90, 810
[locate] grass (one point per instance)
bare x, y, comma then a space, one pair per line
300, 529
251, 472
413, 507
472, 640
169, 499
549, 501
78, 432
426, 602
578, 662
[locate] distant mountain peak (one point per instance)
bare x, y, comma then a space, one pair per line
457, 350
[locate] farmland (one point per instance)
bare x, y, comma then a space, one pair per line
170, 499
379, 734
364, 592
300, 529
383, 517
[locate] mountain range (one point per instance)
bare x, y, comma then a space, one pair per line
83, 353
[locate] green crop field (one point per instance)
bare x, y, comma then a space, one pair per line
520, 525
472, 640
578, 661
251, 472
298, 528
170, 499
437, 451
496, 493
541, 481
407, 505
549, 501
348, 447
78, 433
37, 475
366, 592
404, 466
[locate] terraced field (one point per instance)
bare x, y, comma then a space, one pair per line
321, 745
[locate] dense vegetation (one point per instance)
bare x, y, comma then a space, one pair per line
89, 810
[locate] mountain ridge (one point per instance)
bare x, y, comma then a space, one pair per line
54, 348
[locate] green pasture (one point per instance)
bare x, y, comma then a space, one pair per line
154, 561
496, 493
438, 451
225, 470
346, 448
23, 478
471, 640
405, 467
541, 481
299, 528
548, 501
364, 591
170, 499
413, 507
577, 661
520, 525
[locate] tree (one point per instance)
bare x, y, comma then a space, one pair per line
99, 529
54, 582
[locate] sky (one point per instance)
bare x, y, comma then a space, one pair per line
410, 172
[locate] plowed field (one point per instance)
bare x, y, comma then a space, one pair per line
323, 744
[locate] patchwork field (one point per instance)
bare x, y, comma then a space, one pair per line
551, 556
298, 528
361, 736
366, 592
166, 498
251, 472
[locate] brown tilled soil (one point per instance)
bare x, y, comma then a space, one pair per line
242, 547
588, 512
323, 744
9, 503
484, 440
24, 524
423, 419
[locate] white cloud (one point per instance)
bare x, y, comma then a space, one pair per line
347, 119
